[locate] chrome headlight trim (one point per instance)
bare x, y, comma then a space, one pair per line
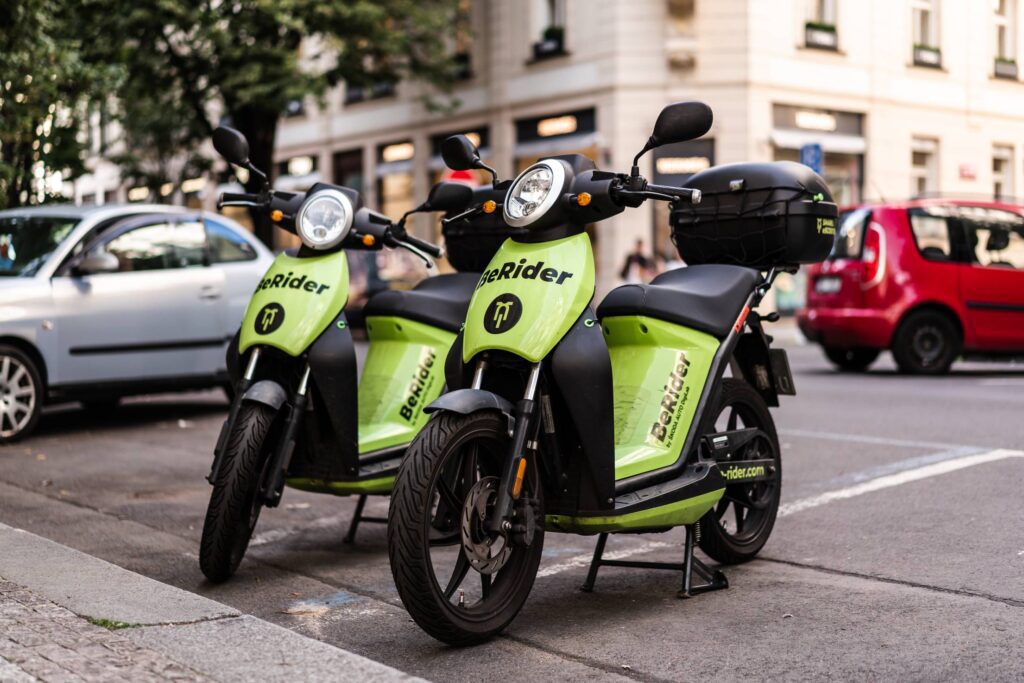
557, 188
342, 202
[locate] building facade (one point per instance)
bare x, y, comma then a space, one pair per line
900, 97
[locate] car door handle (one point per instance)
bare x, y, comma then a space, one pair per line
209, 293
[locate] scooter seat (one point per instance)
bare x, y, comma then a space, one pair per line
706, 297
441, 301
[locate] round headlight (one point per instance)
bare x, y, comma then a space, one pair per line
533, 193
324, 219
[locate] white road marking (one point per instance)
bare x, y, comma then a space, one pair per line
876, 484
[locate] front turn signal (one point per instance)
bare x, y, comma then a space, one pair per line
369, 240
584, 199
276, 215
490, 206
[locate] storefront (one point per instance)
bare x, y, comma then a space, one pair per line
674, 165
395, 177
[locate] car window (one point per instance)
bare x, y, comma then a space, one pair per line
26, 242
931, 227
851, 234
995, 237
160, 246
227, 246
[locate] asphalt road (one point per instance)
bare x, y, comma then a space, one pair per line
898, 554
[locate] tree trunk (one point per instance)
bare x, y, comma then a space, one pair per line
260, 128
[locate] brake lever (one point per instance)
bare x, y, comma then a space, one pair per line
427, 260
463, 216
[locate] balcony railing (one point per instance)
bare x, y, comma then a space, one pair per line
1006, 68
926, 55
821, 36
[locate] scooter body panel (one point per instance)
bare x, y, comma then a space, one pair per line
677, 513
529, 297
658, 374
403, 373
295, 301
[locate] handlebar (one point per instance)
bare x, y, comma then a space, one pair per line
422, 245
239, 199
634, 197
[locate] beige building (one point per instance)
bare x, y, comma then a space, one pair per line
903, 97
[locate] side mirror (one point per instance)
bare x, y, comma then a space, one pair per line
97, 262
682, 121
231, 145
448, 197
459, 153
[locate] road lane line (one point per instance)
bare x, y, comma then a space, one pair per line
898, 479
862, 438
876, 484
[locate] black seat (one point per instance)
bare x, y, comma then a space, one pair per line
440, 301
707, 297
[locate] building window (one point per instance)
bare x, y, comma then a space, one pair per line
820, 28
1005, 20
1002, 171
549, 27
924, 175
925, 15
462, 40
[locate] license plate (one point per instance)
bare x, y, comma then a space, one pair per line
828, 285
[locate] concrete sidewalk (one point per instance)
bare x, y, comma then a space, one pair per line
65, 615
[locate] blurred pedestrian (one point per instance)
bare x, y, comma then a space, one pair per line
637, 267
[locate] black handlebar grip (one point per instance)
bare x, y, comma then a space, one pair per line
426, 247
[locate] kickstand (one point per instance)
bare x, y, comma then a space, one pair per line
358, 517
713, 579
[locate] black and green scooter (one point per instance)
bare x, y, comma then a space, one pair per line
301, 416
620, 421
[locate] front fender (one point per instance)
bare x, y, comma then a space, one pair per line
466, 401
267, 392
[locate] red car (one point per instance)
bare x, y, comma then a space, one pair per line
929, 279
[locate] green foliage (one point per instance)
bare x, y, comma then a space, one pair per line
110, 624
45, 88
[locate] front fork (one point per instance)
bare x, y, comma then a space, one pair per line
524, 437
243, 385
273, 480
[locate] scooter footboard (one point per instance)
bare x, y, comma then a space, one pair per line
404, 373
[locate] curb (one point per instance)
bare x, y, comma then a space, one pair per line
206, 636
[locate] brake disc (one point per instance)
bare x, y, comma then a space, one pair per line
486, 551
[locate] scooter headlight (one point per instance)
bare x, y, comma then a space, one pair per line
533, 193
324, 219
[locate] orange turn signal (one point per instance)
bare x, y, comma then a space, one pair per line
520, 473
490, 205
369, 240
583, 198
276, 215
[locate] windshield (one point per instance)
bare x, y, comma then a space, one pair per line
27, 241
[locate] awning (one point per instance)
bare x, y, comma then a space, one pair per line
830, 142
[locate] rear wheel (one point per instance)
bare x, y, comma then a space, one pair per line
851, 360
21, 394
738, 526
235, 503
926, 343
459, 581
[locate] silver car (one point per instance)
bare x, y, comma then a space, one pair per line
97, 303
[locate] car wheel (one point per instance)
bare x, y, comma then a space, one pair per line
926, 343
21, 394
851, 360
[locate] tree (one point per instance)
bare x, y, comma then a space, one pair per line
244, 61
45, 90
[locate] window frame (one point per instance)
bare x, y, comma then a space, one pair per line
93, 241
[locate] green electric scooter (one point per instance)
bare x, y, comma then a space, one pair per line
622, 421
300, 416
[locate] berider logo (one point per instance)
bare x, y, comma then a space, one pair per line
269, 318
503, 313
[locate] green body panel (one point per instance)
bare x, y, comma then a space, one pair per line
381, 485
674, 514
309, 293
658, 373
403, 373
553, 281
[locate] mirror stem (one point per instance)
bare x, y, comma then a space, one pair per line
494, 174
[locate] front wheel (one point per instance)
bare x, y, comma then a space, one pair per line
737, 527
21, 394
459, 581
235, 502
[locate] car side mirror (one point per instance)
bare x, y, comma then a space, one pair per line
97, 262
231, 145
448, 197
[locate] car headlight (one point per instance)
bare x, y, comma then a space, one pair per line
324, 219
533, 193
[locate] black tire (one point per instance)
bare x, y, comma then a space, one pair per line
926, 343
851, 360
740, 401
21, 394
234, 504
413, 522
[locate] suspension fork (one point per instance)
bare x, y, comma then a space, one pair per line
513, 469
243, 385
282, 457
